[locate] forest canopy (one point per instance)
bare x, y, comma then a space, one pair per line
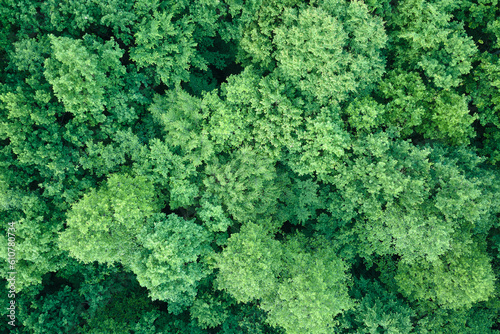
260, 167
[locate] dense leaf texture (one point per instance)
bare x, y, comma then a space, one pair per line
261, 166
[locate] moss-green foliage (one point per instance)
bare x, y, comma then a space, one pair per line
103, 226
259, 166
433, 113
485, 91
457, 280
171, 264
312, 289
246, 185
302, 290
378, 310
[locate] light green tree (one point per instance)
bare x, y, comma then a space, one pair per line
460, 278
103, 226
170, 263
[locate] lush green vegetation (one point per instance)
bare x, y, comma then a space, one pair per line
260, 166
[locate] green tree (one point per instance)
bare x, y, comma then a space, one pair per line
429, 40
309, 38
167, 45
60, 312
79, 77
171, 262
249, 265
377, 310
460, 278
103, 226
411, 201
485, 91
416, 108
312, 289
245, 184
302, 290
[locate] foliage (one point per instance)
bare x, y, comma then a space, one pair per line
312, 289
249, 265
486, 97
103, 226
264, 167
301, 291
458, 280
415, 108
169, 264
378, 310
245, 184
56, 313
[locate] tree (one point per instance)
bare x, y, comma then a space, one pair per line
376, 309
484, 88
168, 46
416, 108
79, 77
459, 279
245, 184
56, 313
410, 201
249, 265
300, 290
103, 226
169, 262
428, 40
313, 289
304, 50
